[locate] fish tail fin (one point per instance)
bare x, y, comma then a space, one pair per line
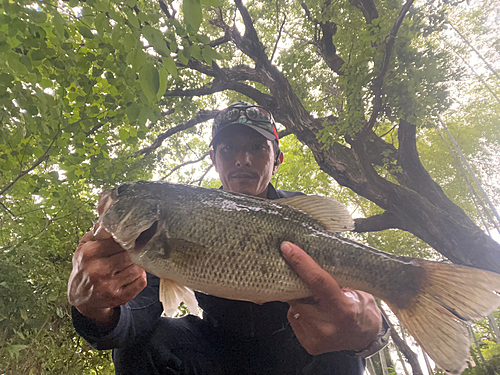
450, 296
172, 294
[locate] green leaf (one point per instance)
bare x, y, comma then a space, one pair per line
86, 33
38, 17
210, 54
6, 78
4, 46
129, 41
192, 14
133, 112
210, 3
59, 312
37, 55
150, 82
202, 38
195, 51
58, 22
131, 17
14, 350
32, 110
101, 139
26, 61
123, 134
156, 39
163, 78
169, 64
101, 22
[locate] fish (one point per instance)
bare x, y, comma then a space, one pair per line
228, 245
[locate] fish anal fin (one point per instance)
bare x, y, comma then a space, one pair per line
451, 297
172, 294
328, 211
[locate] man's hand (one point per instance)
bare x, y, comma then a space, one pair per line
103, 277
338, 318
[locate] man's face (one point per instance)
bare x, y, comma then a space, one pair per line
244, 160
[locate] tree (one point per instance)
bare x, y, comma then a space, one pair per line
95, 93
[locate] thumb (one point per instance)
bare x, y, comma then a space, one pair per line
321, 283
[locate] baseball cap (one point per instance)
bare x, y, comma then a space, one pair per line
251, 115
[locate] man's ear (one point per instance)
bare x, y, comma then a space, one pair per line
277, 163
212, 157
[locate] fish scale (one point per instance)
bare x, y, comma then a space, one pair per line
228, 245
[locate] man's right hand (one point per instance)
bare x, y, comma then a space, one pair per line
102, 278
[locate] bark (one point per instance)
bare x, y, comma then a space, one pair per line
414, 203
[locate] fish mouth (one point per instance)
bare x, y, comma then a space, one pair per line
145, 236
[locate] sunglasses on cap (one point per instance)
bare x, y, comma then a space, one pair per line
256, 117
254, 113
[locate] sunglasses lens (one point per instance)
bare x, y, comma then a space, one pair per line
232, 114
258, 114
229, 114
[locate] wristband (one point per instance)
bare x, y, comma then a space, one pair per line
380, 342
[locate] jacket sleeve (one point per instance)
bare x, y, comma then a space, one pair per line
137, 319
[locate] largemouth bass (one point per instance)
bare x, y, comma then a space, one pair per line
228, 245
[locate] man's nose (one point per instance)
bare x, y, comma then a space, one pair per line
243, 158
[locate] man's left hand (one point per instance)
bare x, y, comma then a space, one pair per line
338, 318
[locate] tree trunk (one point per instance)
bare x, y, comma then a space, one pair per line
415, 202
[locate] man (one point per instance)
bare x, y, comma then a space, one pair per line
115, 304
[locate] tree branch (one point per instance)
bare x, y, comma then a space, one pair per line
324, 45
367, 7
184, 164
200, 180
204, 90
379, 80
236, 73
377, 223
403, 347
280, 30
282, 134
201, 116
414, 175
40, 160
9, 211
165, 10
302, 40
250, 44
217, 42
264, 100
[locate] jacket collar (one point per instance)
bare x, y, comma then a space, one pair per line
271, 192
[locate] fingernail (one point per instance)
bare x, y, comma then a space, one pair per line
286, 248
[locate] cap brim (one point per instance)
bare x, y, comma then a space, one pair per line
261, 131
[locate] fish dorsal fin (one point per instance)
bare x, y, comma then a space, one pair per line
172, 294
329, 212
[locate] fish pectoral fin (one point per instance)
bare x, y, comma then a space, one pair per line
172, 294
329, 212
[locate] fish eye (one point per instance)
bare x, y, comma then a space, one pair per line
121, 189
